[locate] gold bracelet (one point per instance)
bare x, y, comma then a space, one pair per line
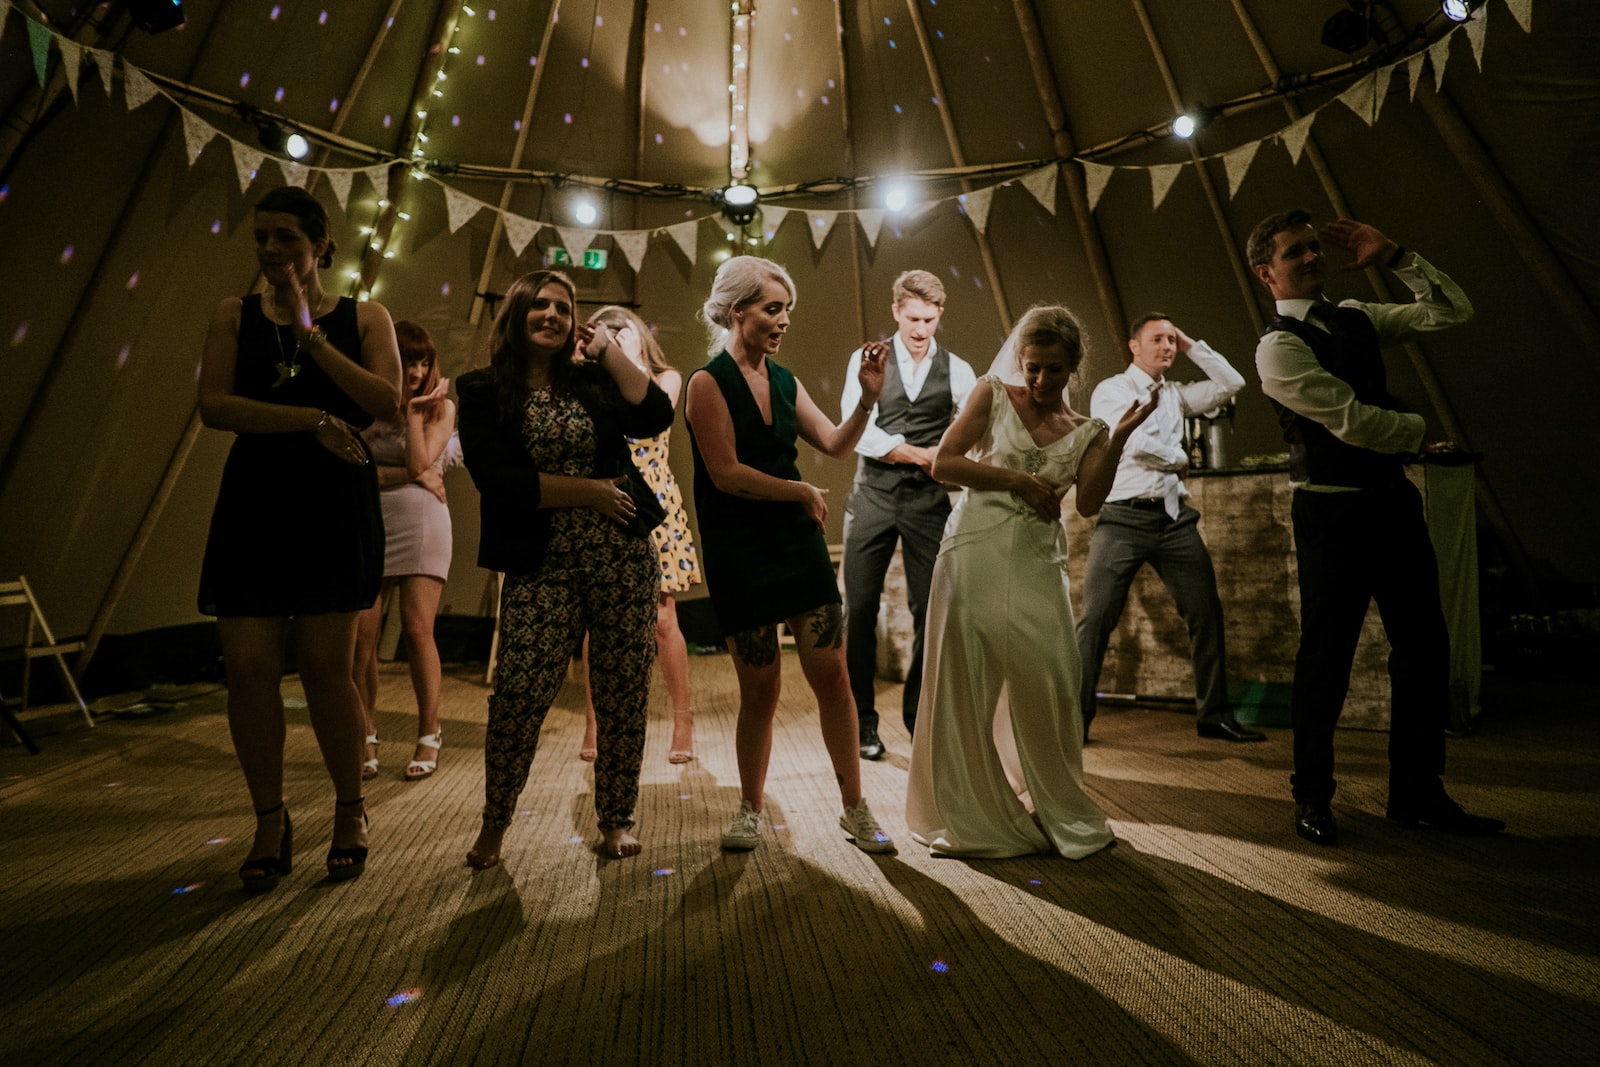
312, 341
321, 422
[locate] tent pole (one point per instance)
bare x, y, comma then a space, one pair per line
849, 164
985, 251
1094, 245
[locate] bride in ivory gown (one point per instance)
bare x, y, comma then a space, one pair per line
997, 760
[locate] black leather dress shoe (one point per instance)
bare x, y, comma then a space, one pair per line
871, 747
1314, 822
1228, 731
1444, 815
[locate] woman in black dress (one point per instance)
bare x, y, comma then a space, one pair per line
297, 535
764, 554
544, 433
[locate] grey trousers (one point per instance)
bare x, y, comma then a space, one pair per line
1125, 539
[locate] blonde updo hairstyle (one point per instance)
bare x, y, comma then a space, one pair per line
738, 284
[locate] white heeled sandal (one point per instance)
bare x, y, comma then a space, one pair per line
418, 769
369, 766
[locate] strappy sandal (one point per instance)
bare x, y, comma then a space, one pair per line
356, 854
263, 873
369, 766
418, 769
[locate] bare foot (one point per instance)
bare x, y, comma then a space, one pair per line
590, 747
620, 843
485, 851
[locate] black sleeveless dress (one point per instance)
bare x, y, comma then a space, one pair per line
764, 560
296, 530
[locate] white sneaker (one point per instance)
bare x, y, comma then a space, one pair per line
862, 828
744, 829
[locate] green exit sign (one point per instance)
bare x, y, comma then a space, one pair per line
593, 258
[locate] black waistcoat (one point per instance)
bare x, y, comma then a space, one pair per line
1350, 354
921, 422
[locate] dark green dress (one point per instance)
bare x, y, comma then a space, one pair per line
765, 560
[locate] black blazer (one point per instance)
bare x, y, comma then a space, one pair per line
514, 531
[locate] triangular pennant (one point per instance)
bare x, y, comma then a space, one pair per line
460, 206
1238, 163
1439, 52
1477, 32
519, 231
293, 173
1294, 136
1095, 176
771, 219
919, 210
1042, 184
39, 38
871, 220
1161, 179
71, 59
977, 204
821, 224
103, 61
247, 162
1414, 71
197, 133
5, 10
137, 88
340, 181
1358, 98
687, 234
632, 245
576, 240
1522, 11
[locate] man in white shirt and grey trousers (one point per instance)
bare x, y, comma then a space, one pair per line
1146, 518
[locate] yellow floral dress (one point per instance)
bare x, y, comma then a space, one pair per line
680, 567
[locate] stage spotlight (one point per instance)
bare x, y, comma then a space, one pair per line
280, 140
1460, 10
585, 212
897, 197
1192, 121
739, 203
1348, 31
153, 16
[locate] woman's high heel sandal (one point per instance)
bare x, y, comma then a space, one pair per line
356, 854
369, 766
418, 769
263, 873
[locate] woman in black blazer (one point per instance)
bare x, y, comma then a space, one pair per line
543, 431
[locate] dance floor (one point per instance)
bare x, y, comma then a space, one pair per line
1210, 935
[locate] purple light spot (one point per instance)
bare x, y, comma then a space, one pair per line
333, 105
19, 335
659, 139
683, 31
277, 97
111, 785
800, 94
666, 68
273, 14
955, 271
516, 124
133, 281
939, 967
1033, 881
598, 21
662, 870
568, 118
217, 841
831, 85
891, 42
784, 825
574, 840
66, 255
657, 27
584, 62
322, 19
824, 99
897, 109
455, 120
444, 290
386, 121
188, 888
405, 996
940, 34
683, 796
244, 79
533, 61
491, 14
935, 101
122, 356
886, 20
480, 61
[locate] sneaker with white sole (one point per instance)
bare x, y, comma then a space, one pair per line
863, 829
744, 829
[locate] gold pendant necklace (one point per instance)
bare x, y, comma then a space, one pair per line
288, 364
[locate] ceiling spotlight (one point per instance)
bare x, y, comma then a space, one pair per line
738, 203
1460, 10
280, 140
585, 212
1350, 30
897, 197
153, 16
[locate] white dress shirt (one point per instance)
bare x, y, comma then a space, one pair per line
1154, 453
1291, 375
875, 443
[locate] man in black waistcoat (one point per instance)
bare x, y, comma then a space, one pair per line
895, 497
1359, 531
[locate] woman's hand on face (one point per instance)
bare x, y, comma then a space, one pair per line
1043, 497
429, 401
815, 502
340, 438
299, 308
433, 482
612, 500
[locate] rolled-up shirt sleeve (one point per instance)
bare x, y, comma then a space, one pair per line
1291, 375
874, 443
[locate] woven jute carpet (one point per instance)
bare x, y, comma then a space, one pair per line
1210, 935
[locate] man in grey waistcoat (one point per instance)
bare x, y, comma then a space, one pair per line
895, 498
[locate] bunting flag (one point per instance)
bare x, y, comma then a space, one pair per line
340, 181
39, 38
137, 88
519, 231
1161, 178
976, 204
1294, 136
71, 59
687, 234
1360, 98
460, 206
1414, 71
1042, 184
1477, 32
821, 224
576, 240
197, 133
103, 61
1522, 11
246, 163
771, 219
379, 177
1439, 52
1238, 163
871, 220
632, 245
293, 173
1095, 176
